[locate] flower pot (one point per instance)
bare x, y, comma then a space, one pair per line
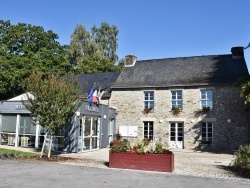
150, 162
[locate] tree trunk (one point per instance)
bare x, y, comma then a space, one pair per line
50, 146
44, 141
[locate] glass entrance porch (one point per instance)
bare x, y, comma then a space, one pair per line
88, 138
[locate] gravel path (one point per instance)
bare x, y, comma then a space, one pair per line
203, 164
190, 163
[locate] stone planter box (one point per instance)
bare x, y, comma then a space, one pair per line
150, 162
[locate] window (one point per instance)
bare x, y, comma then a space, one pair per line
149, 99
206, 98
148, 130
207, 131
26, 125
9, 123
177, 99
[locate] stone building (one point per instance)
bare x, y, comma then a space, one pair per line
185, 102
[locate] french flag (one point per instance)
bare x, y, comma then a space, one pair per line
90, 95
94, 97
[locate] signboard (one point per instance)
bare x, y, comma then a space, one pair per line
20, 107
91, 108
128, 130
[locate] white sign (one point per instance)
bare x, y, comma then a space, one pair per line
128, 130
20, 107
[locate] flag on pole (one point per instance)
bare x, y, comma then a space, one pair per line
94, 98
98, 96
90, 95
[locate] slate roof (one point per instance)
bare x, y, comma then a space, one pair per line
183, 71
103, 80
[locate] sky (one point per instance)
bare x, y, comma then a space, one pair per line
148, 29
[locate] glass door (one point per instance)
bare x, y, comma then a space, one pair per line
89, 133
176, 135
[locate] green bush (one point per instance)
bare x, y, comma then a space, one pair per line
117, 146
158, 148
141, 147
241, 163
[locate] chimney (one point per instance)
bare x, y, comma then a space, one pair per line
130, 60
237, 52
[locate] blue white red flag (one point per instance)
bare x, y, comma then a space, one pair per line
94, 98
90, 95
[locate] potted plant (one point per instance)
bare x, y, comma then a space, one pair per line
144, 155
206, 142
176, 110
146, 110
205, 109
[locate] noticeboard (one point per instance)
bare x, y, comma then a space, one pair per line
128, 130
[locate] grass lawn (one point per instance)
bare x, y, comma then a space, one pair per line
16, 154
6, 153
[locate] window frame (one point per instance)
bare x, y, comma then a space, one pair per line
147, 124
207, 126
176, 99
206, 99
148, 101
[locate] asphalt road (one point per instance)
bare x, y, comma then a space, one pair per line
47, 174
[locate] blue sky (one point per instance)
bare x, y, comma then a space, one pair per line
149, 29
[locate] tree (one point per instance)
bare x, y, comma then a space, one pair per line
53, 101
95, 51
106, 38
78, 45
245, 88
121, 64
24, 48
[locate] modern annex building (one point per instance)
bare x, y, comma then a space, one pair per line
92, 127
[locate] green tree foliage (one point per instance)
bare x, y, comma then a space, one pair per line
23, 48
94, 51
106, 38
245, 88
54, 101
241, 161
121, 64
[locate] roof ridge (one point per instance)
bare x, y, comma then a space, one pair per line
97, 73
184, 57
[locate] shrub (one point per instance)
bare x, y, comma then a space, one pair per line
141, 147
119, 146
241, 163
158, 148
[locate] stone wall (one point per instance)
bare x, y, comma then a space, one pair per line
227, 104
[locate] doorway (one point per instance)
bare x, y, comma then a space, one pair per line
176, 135
89, 133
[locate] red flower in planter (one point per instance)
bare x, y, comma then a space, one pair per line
166, 151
